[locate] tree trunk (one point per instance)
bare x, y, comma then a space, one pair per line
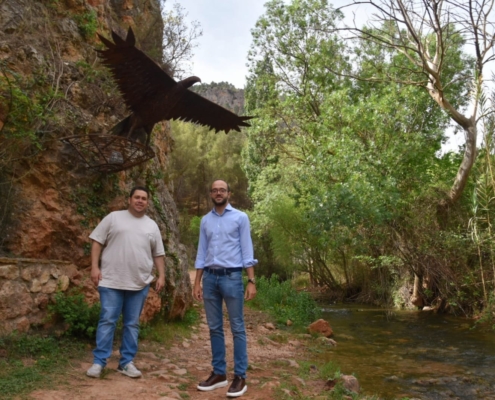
416, 298
466, 164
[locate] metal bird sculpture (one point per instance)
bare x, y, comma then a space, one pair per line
153, 96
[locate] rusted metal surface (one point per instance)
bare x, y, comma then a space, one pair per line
107, 153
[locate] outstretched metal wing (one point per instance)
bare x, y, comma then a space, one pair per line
197, 109
138, 77
153, 95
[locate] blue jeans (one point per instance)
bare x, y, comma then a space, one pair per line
228, 288
114, 302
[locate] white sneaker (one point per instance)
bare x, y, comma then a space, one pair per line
130, 370
94, 371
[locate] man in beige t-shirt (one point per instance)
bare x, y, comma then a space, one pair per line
129, 244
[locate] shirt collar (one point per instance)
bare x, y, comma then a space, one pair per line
227, 208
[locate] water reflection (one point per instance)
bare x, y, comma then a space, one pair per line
397, 354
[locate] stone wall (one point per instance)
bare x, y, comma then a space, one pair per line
27, 286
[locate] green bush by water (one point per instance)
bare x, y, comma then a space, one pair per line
283, 302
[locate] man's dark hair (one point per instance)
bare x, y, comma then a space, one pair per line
143, 188
228, 186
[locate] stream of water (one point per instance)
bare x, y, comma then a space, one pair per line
412, 354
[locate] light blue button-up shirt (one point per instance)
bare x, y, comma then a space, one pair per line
225, 240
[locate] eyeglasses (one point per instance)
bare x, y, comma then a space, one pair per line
215, 191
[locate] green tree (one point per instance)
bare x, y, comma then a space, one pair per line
429, 34
200, 156
337, 167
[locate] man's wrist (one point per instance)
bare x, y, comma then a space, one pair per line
252, 280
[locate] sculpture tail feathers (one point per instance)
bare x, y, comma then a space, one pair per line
123, 128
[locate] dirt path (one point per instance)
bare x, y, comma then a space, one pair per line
172, 373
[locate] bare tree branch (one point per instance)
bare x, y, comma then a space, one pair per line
425, 30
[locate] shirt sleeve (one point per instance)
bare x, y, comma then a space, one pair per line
202, 246
158, 249
100, 233
247, 251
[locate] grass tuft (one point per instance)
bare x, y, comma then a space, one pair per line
165, 332
33, 361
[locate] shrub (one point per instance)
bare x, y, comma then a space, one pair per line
283, 302
72, 309
87, 24
26, 99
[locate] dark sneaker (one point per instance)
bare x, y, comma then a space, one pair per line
237, 388
213, 382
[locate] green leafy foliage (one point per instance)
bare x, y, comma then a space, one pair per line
80, 318
201, 156
483, 214
93, 198
487, 316
87, 24
345, 175
27, 101
283, 302
193, 231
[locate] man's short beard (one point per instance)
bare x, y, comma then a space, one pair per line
220, 203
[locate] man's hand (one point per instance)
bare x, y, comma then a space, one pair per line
160, 284
198, 292
160, 266
250, 291
95, 275
95, 262
197, 289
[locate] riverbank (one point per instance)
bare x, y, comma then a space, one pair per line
280, 367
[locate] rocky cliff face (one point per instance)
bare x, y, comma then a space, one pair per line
224, 94
53, 86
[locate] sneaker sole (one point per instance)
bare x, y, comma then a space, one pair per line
213, 387
93, 376
130, 376
237, 394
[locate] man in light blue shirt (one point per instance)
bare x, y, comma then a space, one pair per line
225, 248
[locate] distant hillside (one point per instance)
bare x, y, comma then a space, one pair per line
224, 94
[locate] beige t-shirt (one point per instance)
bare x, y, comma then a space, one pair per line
130, 245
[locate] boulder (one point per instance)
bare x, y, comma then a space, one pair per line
15, 300
269, 326
321, 327
349, 382
9, 271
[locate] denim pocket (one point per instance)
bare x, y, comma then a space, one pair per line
235, 276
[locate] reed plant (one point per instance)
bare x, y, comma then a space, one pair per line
483, 207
